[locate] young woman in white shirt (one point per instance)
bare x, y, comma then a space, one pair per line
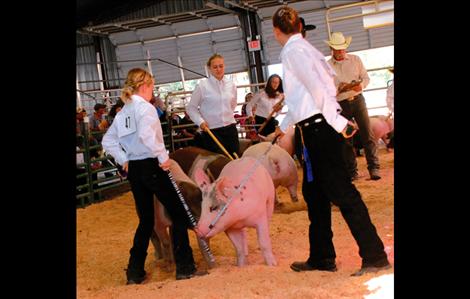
212, 104
311, 101
135, 140
265, 102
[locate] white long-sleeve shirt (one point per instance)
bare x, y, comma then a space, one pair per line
136, 133
264, 104
347, 70
213, 101
308, 85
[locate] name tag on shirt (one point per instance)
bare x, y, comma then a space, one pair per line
126, 124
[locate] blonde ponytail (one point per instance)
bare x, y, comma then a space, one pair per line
126, 93
135, 78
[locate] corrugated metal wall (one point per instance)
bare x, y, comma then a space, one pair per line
86, 61
86, 54
110, 69
362, 39
86, 68
167, 42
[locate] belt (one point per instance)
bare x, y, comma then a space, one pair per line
224, 127
144, 161
317, 118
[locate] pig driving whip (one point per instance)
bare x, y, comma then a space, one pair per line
192, 220
208, 131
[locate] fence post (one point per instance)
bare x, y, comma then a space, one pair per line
87, 158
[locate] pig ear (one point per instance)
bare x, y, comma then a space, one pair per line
211, 176
201, 179
224, 186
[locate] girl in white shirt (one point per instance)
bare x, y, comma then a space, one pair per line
265, 102
135, 140
211, 107
311, 100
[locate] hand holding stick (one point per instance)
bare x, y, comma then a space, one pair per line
276, 108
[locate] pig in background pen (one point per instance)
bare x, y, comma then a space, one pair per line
382, 131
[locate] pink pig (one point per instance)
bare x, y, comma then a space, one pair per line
251, 207
381, 126
286, 142
279, 164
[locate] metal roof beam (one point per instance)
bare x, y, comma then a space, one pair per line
247, 4
243, 5
218, 7
157, 19
197, 15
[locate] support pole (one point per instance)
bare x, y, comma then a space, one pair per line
100, 76
79, 97
149, 62
181, 71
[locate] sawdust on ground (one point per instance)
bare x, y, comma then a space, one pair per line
105, 231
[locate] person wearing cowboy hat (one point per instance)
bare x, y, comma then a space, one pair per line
350, 80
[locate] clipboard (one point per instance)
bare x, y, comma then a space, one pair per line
350, 85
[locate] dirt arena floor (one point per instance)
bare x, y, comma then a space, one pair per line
105, 231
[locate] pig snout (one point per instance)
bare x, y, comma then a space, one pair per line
199, 232
202, 229
204, 232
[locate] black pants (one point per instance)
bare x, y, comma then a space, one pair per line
270, 126
332, 183
227, 136
357, 109
146, 179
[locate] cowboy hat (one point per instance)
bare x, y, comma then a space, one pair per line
338, 41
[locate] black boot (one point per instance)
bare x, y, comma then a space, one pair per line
135, 276
135, 272
188, 272
373, 267
324, 265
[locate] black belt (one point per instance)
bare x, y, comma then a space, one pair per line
146, 160
317, 118
224, 127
